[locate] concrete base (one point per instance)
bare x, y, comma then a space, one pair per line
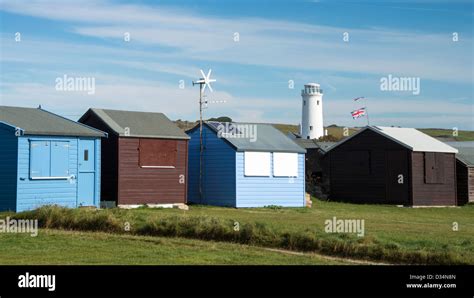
134, 206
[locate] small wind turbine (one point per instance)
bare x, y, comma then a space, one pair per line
205, 81
202, 82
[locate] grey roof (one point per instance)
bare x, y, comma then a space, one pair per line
36, 121
324, 146
139, 124
310, 143
410, 138
267, 138
466, 156
466, 152
306, 143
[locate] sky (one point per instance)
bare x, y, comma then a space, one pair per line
144, 55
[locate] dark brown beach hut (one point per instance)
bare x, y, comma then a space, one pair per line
144, 160
392, 165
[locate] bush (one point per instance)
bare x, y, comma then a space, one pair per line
54, 217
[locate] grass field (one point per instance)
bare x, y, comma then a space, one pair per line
56, 247
415, 235
414, 229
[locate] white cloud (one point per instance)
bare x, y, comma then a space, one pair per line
285, 44
170, 41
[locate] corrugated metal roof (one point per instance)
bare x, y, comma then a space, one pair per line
36, 121
466, 156
139, 124
410, 138
416, 140
466, 152
267, 138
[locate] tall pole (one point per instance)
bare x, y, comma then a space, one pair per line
367, 111
200, 142
203, 83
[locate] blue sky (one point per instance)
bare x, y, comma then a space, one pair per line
279, 41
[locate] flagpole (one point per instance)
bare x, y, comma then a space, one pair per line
367, 111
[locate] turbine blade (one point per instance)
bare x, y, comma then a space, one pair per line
202, 73
209, 74
210, 88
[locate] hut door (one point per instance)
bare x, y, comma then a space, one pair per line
397, 180
86, 173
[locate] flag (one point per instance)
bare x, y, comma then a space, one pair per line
357, 98
358, 113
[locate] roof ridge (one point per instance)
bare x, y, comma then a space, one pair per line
383, 131
138, 124
101, 113
72, 121
127, 111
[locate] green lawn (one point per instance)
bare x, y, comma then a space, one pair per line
392, 234
56, 247
429, 229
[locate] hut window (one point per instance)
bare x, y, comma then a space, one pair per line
257, 163
434, 168
157, 153
49, 159
285, 164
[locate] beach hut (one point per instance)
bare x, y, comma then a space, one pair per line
317, 167
392, 165
245, 165
144, 158
465, 174
47, 160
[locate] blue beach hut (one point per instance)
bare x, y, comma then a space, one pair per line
245, 165
47, 160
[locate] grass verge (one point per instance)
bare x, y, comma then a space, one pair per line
224, 229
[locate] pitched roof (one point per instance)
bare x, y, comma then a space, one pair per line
410, 138
139, 124
36, 121
311, 143
324, 146
305, 143
267, 138
466, 156
466, 152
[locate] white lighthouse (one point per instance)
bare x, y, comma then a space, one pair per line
312, 122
